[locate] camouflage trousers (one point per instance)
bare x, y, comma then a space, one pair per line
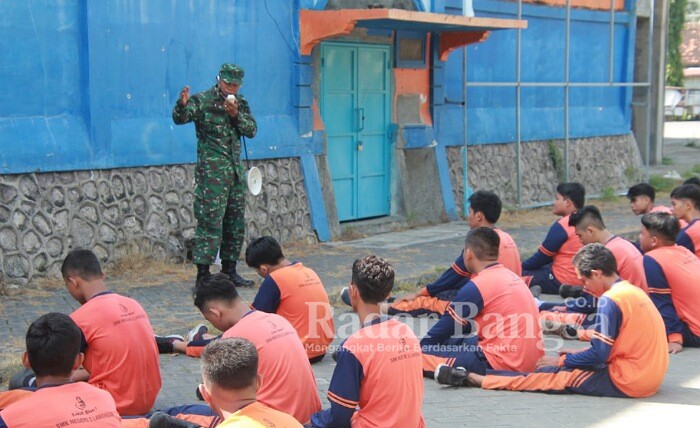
219, 207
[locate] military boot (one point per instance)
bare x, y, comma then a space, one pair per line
229, 268
203, 272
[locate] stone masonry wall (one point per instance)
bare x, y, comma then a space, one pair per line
146, 210
598, 163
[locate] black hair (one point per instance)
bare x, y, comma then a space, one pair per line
374, 278
231, 364
662, 225
83, 264
595, 257
53, 341
693, 180
216, 287
641, 189
587, 216
575, 192
690, 192
263, 251
483, 242
487, 203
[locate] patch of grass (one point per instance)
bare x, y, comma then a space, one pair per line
557, 159
691, 143
350, 233
609, 194
666, 161
662, 184
10, 359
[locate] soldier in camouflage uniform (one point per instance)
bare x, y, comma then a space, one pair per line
219, 203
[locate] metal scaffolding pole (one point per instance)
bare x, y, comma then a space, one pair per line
518, 88
567, 54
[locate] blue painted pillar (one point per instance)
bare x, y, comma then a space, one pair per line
312, 183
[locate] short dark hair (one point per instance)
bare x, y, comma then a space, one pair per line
263, 251
641, 189
488, 203
53, 341
662, 225
587, 216
374, 278
693, 180
484, 243
83, 264
217, 287
575, 192
688, 191
595, 257
231, 363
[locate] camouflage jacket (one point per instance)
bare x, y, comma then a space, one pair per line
218, 135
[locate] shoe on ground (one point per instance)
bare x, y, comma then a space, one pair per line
345, 296
567, 290
454, 376
163, 420
197, 333
536, 291
165, 343
24, 378
240, 281
556, 328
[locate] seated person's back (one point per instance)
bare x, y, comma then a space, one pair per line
294, 292
288, 382
121, 356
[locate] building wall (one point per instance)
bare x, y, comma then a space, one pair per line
146, 211
600, 163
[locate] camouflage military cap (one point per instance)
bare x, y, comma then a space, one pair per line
231, 73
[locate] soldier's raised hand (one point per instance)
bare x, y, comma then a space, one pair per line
231, 107
184, 96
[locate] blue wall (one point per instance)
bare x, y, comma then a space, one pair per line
91, 84
491, 111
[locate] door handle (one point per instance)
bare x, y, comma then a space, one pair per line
361, 116
359, 146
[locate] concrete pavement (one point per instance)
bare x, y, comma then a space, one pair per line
415, 253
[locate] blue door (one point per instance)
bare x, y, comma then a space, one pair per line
356, 110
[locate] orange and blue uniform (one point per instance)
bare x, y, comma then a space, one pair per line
68, 405
120, 353
258, 415
689, 237
581, 311
14, 395
552, 264
288, 383
296, 293
499, 326
628, 356
671, 273
379, 372
436, 297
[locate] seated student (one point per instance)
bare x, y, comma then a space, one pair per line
484, 211
53, 352
288, 383
642, 198
494, 312
294, 292
550, 266
627, 357
121, 356
590, 229
377, 381
685, 200
672, 272
231, 381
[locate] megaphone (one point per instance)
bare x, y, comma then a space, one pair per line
254, 176
254, 181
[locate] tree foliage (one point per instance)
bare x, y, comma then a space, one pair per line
674, 64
